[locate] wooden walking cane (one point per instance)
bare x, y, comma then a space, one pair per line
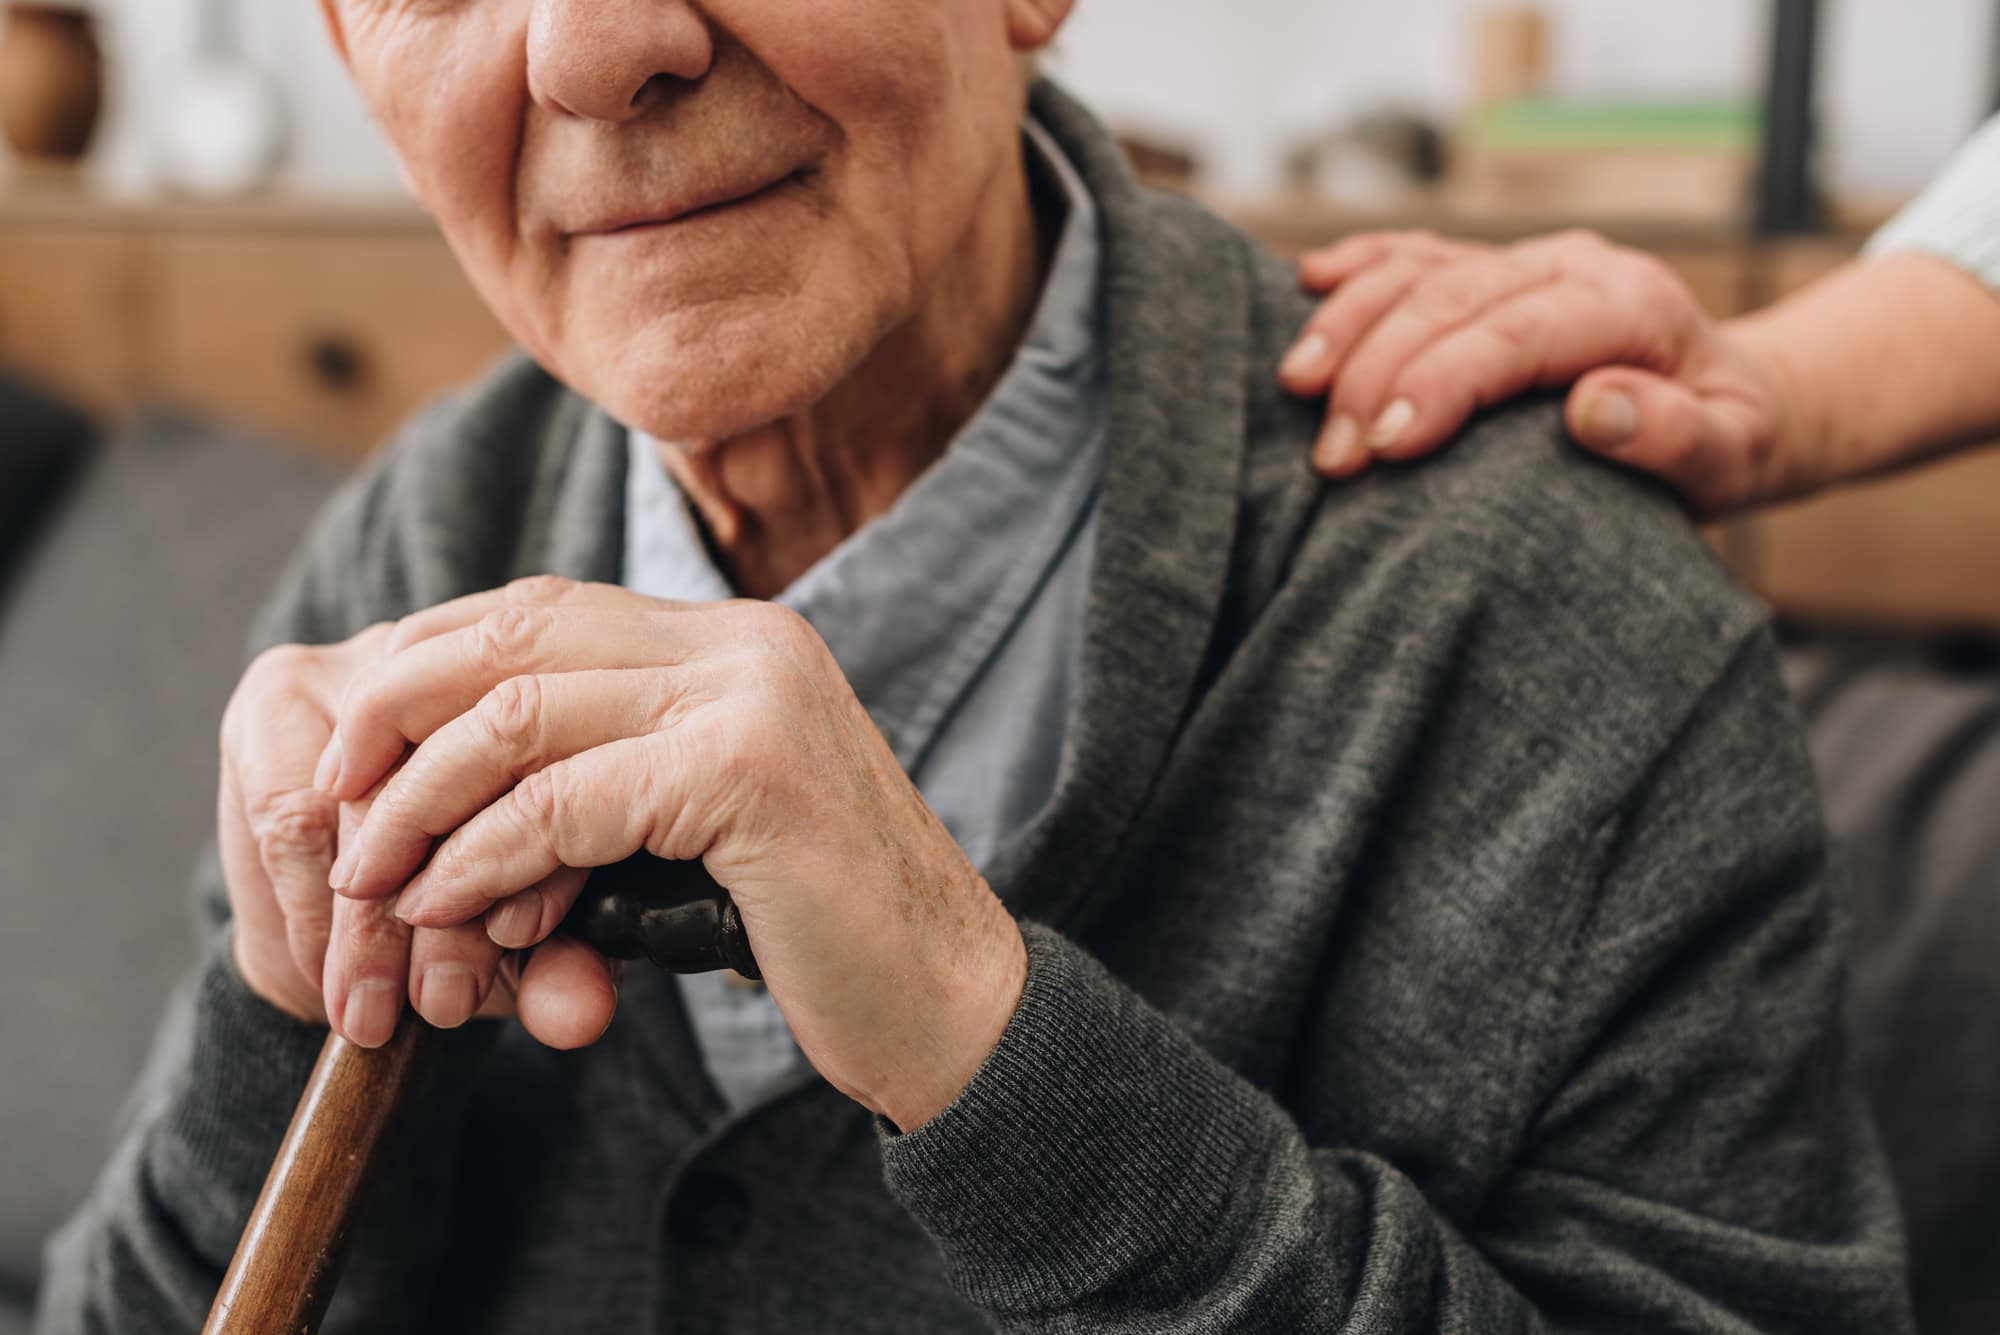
288, 1263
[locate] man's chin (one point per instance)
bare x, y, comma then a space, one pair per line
715, 387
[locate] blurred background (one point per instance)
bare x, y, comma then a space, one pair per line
196, 215
216, 297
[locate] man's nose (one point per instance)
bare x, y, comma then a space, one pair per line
598, 58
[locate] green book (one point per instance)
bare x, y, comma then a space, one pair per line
1552, 124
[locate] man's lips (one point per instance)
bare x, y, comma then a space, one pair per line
681, 210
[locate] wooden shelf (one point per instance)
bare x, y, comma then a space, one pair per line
325, 324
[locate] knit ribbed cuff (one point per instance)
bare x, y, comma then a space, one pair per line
1099, 1145
227, 1106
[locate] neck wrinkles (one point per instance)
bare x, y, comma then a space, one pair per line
776, 500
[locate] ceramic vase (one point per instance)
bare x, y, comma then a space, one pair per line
226, 131
51, 80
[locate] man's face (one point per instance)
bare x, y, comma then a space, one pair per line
701, 215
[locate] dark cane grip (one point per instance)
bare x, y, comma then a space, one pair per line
672, 913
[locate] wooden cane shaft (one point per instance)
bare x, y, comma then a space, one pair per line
289, 1260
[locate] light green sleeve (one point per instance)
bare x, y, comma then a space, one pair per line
1958, 217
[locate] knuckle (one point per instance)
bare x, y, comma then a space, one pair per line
1420, 382
1448, 293
370, 643
283, 669
282, 663
292, 825
361, 702
1360, 385
1658, 285
372, 933
1517, 332
1643, 269
538, 797
538, 590
398, 636
503, 637
1364, 249
781, 631
511, 712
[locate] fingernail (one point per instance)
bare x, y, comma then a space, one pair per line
371, 1012
1610, 418
448, 995
344, 866
1391, 425
408, 904
1337, 448
1305, 358
329, 765
513, 925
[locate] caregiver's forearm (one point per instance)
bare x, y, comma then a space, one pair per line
1883, 364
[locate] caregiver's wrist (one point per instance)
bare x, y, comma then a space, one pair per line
1870, 365
1806, 448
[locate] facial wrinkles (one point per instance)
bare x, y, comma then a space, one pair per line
443, 78
786, 304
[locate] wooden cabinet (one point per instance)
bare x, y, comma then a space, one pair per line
69, 310
327, 339
1917, 551
321, 326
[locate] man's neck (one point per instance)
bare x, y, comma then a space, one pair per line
776, 500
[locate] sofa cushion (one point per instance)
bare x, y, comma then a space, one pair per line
1909, 759
43, 445
118, 649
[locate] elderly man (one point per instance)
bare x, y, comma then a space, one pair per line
1189, 899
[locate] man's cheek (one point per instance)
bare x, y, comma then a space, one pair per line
851, 64
450, 93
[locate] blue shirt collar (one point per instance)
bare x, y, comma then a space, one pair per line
914, 604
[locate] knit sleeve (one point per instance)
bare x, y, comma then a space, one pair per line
1701, 1160
1958, 218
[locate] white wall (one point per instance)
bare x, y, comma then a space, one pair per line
150, 44
1905, 79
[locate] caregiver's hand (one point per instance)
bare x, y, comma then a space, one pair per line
296, 946
559, 726
1418, 333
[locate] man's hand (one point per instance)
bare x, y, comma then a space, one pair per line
1418, 333
560, 726
278, 837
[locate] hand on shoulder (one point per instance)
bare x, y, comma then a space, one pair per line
1417, 333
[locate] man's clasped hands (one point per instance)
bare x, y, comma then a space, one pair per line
412, 812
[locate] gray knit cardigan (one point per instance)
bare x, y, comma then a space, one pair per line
1433, 930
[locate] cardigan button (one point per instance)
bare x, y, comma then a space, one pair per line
709, 1212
